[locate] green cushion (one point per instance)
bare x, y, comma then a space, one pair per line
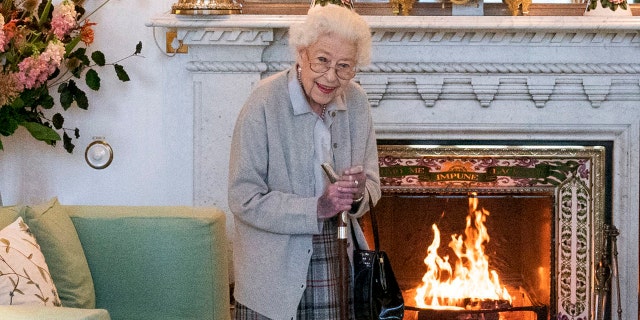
63, 252
156, 262
9, 214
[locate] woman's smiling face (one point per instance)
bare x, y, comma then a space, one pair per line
334, 51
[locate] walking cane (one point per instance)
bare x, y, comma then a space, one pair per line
343, 263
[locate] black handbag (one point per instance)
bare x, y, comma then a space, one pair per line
376, 291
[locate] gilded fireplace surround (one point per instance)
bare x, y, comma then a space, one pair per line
575, 174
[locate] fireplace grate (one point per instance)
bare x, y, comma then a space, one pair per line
541, 312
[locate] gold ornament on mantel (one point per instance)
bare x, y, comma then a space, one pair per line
518, 7
206, 7
403, 7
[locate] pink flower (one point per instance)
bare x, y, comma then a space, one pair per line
35, 70
64, 19
4, 40
54, 53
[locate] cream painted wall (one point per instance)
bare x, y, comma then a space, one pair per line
147, 122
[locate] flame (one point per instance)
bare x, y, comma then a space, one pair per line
444, 287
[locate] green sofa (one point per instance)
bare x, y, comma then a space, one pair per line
145, 263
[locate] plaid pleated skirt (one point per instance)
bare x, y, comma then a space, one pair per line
320, 299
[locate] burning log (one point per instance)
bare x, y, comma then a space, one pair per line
471, 304
541, 313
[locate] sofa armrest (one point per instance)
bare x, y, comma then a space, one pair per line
156, 262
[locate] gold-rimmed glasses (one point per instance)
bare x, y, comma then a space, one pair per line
344, 70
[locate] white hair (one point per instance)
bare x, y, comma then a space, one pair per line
332, 20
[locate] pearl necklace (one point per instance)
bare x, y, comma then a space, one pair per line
324, 106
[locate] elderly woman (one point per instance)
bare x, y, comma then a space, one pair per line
285, 209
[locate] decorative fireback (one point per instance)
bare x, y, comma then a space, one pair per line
574, 175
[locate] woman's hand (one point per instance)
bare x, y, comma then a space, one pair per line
339, 196
356, 176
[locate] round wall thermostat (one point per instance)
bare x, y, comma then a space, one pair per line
98, 154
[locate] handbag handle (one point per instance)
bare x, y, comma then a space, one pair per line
374, 228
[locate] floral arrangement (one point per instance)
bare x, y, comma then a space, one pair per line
44, 47
342, 3
611, 4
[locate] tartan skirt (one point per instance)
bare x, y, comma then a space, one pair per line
320, 299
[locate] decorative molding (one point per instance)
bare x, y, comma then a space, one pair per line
577, 24
242, 36
485, 30
500, 38
226, 36
571, 81
226, 66
485, 90
451, 68
504, 68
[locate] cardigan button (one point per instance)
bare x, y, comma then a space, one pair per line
333, 114
335, 145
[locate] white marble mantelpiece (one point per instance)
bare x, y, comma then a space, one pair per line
445, 78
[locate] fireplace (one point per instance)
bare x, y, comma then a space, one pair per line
519, 250
544, 205
504, 81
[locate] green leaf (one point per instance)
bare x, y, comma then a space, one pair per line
9, 119
66, 96
81, 99
18, 103
122, 75
71, 45
138, 48
46, 101
98, 58
41, 132
45, 13
58, 121
66, 140
92, 79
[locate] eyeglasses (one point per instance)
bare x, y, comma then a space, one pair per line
344, 71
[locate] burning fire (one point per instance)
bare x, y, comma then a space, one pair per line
445, 288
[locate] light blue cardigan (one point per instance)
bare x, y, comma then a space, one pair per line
271, 189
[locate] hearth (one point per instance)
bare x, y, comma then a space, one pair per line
543, 207
539, 313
